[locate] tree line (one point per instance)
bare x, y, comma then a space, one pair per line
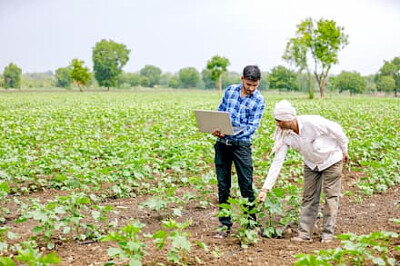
310, 53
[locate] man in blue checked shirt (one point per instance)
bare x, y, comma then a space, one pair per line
245, 105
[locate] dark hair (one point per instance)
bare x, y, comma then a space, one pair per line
252, 72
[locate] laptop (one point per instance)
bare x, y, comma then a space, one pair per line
208, 121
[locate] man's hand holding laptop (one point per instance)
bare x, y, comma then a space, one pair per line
217, 133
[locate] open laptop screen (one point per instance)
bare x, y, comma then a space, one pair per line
208, 121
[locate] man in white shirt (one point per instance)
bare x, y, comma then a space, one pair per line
323, 146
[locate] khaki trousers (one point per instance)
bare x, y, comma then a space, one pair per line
314, 180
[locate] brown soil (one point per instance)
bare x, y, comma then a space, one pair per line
371, 214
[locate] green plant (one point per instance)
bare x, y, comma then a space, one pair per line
4, 191
204, 186
46, 214
74, 207
310, 260
178, 240
130, 247
3, 244
293, 203
6, 261
31, 256
272, 206
5, 234
355, 250
238, 210
161, 200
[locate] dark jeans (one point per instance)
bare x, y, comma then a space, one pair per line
240, 155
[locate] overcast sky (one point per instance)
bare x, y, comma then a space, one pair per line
42, 35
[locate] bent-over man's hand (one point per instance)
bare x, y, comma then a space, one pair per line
345, 157
262, 196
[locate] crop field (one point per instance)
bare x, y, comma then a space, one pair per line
125, 178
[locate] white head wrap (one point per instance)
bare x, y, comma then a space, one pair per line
284, 111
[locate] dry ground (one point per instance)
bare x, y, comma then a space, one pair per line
372, 214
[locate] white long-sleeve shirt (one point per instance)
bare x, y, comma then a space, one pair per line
320, 141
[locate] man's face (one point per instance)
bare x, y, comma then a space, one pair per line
283, 124
249, 86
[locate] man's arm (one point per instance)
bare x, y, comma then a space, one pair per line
273, 172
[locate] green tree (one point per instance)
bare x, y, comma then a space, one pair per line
79, 73
304, 82
153, 73
173, 82
109, 58
189, 77
208, 82
164, 79
169, 80
63, 77
296, 52
282, 78
38, 80
133, 79
264, 85
371, 84
391, 69
350, 81
144, 81
230, 77
316, 46
218, 66
129, 79
12, 76
386, 84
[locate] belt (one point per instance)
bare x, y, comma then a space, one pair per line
231, 142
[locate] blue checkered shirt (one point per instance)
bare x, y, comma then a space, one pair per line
245, 111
